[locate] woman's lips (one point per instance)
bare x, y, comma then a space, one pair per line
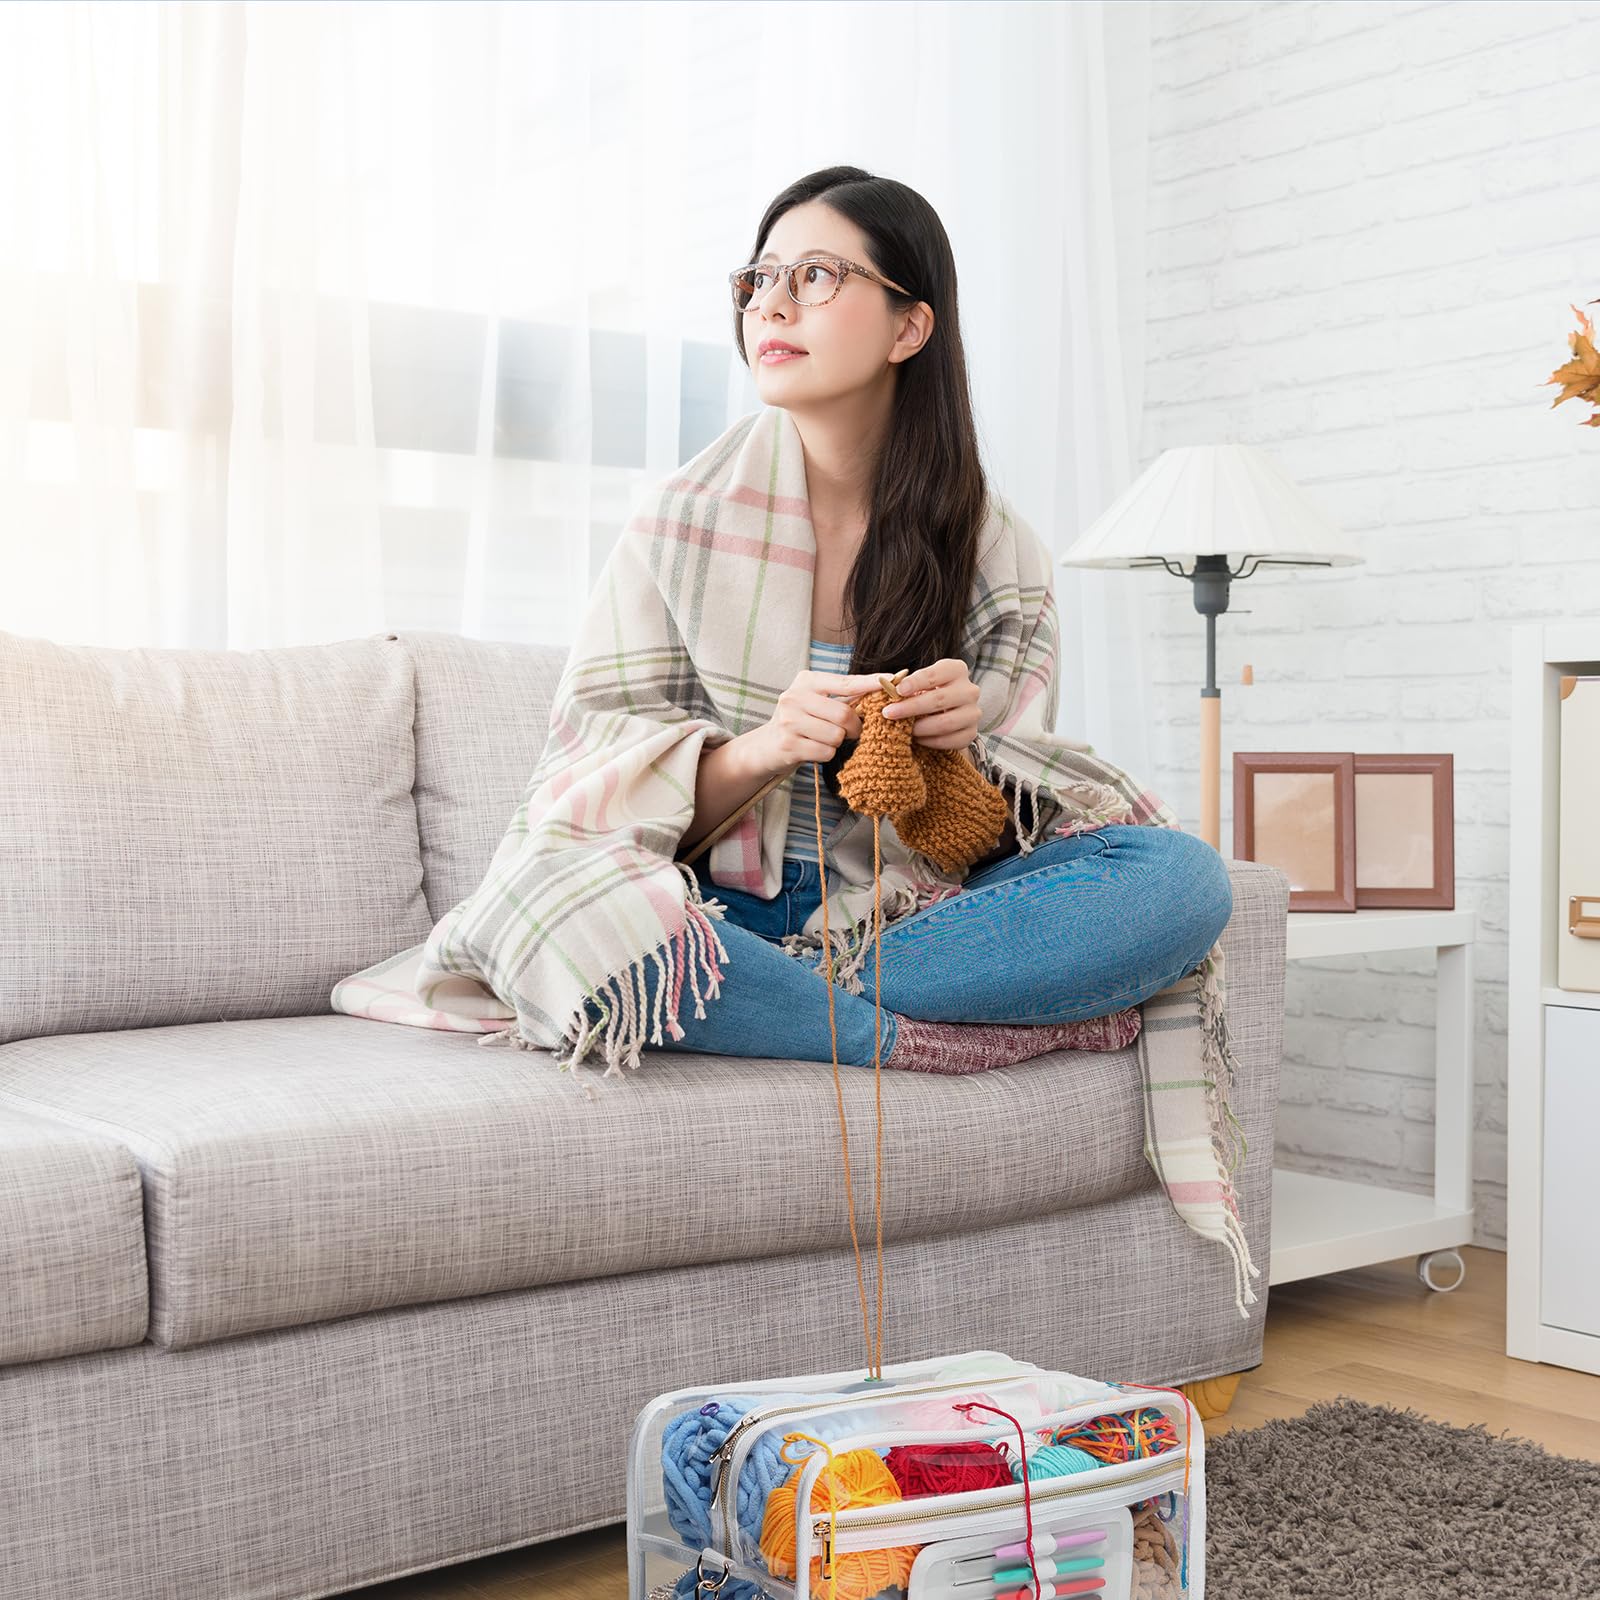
770, 358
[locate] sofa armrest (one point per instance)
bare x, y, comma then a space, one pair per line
1255, 945
72, 1253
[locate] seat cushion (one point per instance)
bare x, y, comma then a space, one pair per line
188, 835
297, 1169
483, 712
72, 1268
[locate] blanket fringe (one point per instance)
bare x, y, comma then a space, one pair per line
627, 1021
852, 945
1227, 1132
1079, 805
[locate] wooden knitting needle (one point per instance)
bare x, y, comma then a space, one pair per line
888, 682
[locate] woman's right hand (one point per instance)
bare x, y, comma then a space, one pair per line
812, 719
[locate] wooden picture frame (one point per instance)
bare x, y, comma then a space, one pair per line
1405, 832
1296, 811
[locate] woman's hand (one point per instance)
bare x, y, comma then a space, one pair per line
811, 720
943, 701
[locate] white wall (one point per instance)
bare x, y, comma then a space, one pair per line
1366, 224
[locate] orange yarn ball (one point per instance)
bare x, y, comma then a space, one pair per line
856, 1478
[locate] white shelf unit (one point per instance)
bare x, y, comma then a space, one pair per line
1540, 654
1330, 1224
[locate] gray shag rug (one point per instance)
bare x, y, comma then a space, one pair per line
1365, 1502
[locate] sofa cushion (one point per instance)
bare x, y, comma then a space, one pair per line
306, 1168
71, 1240
483, 712
189, 835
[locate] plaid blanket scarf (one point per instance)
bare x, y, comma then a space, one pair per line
697, 624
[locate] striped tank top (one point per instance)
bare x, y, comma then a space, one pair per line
801, 841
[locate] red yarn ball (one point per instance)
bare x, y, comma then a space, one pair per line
946, 1468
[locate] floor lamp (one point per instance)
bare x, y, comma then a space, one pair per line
1191, 512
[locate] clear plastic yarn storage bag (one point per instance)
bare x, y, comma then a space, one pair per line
910, 1485
966, 1477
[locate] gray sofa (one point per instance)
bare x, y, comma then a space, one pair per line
294, 1301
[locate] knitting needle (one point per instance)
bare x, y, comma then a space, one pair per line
773, 782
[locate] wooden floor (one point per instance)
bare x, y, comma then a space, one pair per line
1378, 1334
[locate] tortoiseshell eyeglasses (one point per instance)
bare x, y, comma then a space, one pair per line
812, 282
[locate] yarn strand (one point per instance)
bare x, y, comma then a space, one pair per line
838, 1090
946, 785
877, 1068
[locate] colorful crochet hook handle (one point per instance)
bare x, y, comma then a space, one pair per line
1044, 1544
1049, 1591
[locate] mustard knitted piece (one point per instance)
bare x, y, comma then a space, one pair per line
939, 802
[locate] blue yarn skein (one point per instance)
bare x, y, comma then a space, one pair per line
734, 1589
693, 1437
1054, 1461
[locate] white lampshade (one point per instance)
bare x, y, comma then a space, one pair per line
1214, 499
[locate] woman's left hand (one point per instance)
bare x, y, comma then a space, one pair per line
943, 703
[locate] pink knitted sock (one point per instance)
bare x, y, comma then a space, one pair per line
952, 1047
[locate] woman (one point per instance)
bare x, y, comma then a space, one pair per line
847, 317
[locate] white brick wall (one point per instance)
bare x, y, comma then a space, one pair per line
1366, 224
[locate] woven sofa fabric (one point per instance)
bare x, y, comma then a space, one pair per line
309, 1461
72, 1268
299, 1169
189, 835
483, 711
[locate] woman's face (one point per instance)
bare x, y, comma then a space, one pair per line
849, 343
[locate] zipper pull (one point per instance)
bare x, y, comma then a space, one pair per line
718, 1466
827, 1550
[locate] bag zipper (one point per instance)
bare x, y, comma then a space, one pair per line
720, 1455
726, 1471
876, 1517
1046, 1489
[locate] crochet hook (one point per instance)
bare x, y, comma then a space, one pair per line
1049, 1591
1044, 1544
1046, 1569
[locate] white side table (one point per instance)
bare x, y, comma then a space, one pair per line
1326, 1224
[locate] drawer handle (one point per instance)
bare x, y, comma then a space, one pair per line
1583, 916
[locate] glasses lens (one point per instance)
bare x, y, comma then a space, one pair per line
812, 283
750, 283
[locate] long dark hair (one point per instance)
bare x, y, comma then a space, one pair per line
907, 596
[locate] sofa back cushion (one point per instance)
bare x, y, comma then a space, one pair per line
200, 835
483, 711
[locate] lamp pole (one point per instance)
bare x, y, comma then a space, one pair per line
1210, 579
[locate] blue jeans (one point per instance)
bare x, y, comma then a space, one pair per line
1081, 926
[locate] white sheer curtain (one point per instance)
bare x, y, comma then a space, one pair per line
317, 319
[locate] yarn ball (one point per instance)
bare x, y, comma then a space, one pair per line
1053, 1461
938, 1414
688, 1587
947, 1468
1121, 1436
691, 1439
1049, 1392
855, 1478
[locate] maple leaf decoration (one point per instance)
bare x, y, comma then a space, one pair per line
1580, 377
